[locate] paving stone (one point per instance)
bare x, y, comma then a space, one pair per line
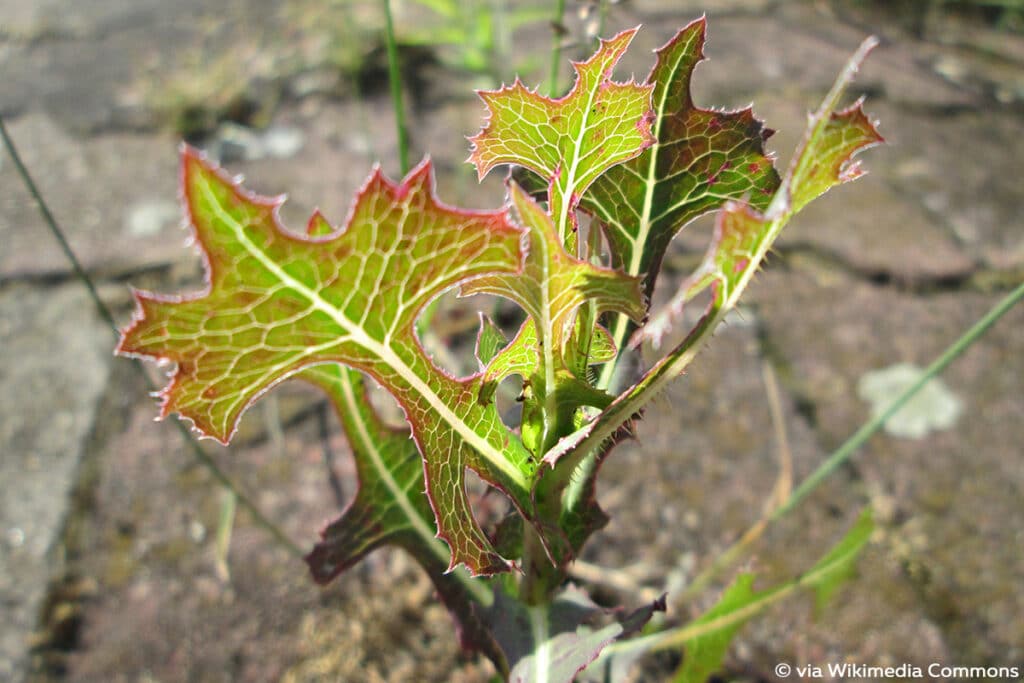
161, 611
54, 366
94, 187
86, 63
955, 495
940, 584
873, 228
963, 169
796, 52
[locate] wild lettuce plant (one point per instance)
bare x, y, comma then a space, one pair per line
603, 179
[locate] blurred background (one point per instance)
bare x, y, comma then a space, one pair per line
121, 559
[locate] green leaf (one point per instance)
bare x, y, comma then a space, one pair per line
551, 287
704, 654
742, 239
489, 341
553, 283
602, 347
519, 357
838, 566
553, 642
390, 507
569, 141
278, 303
743, 236
700, 159
705, 641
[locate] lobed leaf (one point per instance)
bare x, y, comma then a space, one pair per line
390, 507
551, 287
278, 303
743, 236
519, 357
569, 141
742, 240
700, 159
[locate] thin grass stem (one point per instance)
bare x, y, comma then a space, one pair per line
850, 446
395, 80
556, 48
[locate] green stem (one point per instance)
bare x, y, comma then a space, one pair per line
602, 21
849, 447
677, 637
843, 453
395, 80
540, 578
556, 48
198, 453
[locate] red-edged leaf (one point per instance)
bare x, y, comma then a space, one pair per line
742, 239
700, 159
569, 141
278, 303
391, 508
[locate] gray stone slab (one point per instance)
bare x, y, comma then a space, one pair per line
798, 51
882, 222
94, 187
53, 367
964, 170
952, 499
87, 63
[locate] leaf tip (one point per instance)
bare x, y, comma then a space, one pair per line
318, 225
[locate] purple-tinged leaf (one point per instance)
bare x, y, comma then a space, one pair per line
390, 507
743, 236
700, 159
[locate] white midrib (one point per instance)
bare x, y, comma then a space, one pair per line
360, 337
398, 493
570, 185
636, 257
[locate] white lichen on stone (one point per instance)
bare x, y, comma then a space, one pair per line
934, 408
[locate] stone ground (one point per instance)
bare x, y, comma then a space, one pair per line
108, 561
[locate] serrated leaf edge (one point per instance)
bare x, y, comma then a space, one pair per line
400, 190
